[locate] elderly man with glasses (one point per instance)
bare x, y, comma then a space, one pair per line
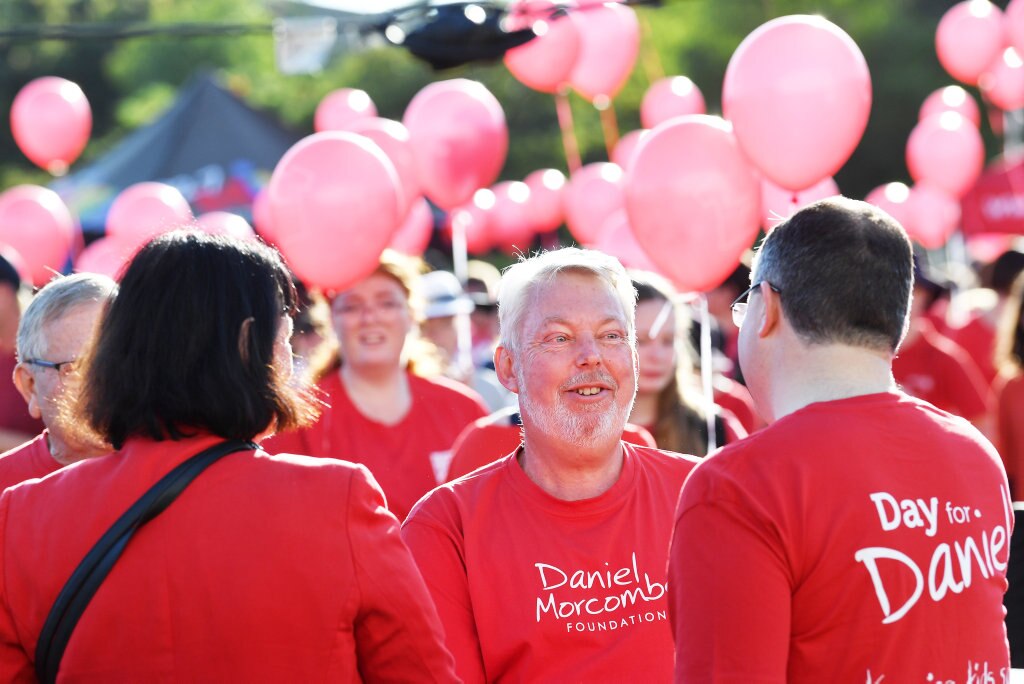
52, 335
863, 535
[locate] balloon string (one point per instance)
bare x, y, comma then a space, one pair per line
610, 126
706, 370
460, 258
649, 52
572, 148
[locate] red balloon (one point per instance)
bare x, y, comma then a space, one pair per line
511, 227
626, 147
459, 139
1003, 83
778, 204
35, 222
393, 138
969, 38
544, 206
342, 108
51, 121
142, 211
618, 240
413, 236
225, 223
609, 43
474, 221
693, 200
895, 200
946, 151
798, 93
594, 193
951, 99
936, 214
669, 97
334, 202
545, 62
262, 220
107, 256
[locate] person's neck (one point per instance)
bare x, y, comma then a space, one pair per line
380, 393
567, 472
827, 373
645, 409
64, 454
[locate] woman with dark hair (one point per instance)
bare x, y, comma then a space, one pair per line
1009, 359
667, 402
264, 568
389, 407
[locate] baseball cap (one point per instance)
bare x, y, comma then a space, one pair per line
443, 295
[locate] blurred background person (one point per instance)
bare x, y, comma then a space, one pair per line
17, 425
312, 334
725, 332
1010, 389
53, 334
195, 351
482, 287
387, 405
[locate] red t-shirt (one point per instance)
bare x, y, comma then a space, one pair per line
1010, 428
858, 540
978, 338
935, 369
265, 569
30, 460
409, 458
531, 588
487, 439
735, 398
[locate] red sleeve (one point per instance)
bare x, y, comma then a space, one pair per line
15, 665
397, 632
478, 445
637, 434
966, 388
734, 430
438, 552
729, 592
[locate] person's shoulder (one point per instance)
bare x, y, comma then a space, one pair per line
661, 458
449, 499
1010, 387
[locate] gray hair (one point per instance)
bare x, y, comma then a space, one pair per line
54, 300
520, 281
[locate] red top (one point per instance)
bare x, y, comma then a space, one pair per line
1010, 424
735, 398
409, 458
30, 460
859, 540
935, 369
487, 439
265, 569
531, 588
978, 338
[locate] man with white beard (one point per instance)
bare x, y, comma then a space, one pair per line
549, 564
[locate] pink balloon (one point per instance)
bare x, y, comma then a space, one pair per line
545, 62
142, 211
946, 151
798, 93
969, 37
669, 97
37, 224
511, 227
474, 220
951, 99
594, 193
544, 206
618, 240
225, 223
1003, 83
342, 108
262, 219
936, 214
778, 204
459, 139
413, 236
1013, 22
693, 200
895, 200
393, 138
334, 200
609, 43
51, 121
626, 147
107, 256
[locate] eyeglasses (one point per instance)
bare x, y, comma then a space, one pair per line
739, 305
64, 368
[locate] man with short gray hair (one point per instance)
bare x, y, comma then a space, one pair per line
53, 333
549, 564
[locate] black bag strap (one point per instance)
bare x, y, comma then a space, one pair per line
94, 568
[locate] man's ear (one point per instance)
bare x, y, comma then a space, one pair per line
26, 384
504, 366
771, 311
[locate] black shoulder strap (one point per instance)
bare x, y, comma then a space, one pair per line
94, 568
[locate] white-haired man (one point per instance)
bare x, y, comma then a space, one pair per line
52, 334
549, 564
